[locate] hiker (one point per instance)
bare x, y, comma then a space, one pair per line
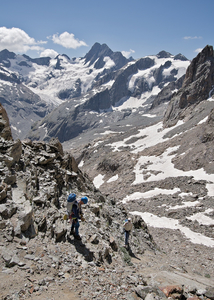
127, 226
76, 214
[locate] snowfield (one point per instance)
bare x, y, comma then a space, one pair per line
159, 168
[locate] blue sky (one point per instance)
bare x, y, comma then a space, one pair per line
137, 27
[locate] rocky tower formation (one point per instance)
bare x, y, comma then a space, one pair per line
5, 130
197, 86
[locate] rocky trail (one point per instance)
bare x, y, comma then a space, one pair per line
43, 269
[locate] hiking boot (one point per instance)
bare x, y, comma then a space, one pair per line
71, 232
77, 237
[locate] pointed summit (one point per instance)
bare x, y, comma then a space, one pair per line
164, 54
5, 55
98, 52
194, 70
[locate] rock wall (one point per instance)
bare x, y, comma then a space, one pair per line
197, 86
5, 131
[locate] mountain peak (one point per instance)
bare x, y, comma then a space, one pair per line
97, 51
180, 56
62, 56
164, 54
193, 71
5, 55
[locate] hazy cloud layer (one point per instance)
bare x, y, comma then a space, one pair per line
192, 37
67, 40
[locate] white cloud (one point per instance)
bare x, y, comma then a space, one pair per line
49, 53
127, 54
67, 40
198, 50
17, 40
192, 37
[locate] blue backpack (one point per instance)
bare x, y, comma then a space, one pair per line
70, 201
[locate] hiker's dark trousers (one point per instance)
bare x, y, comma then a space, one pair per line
127, 237
75, 225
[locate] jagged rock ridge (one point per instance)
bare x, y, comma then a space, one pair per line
98, 53
197, 86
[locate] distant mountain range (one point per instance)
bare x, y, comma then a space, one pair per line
64, 97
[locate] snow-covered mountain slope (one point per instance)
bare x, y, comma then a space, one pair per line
22, 105
125, 95
50, 82
60, 78
164, 171
165, 175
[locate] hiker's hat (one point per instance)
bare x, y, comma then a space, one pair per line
84, 200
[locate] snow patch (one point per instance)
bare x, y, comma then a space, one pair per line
163, 222
98, 180
81, 164
203, 121
201, 218
113, 178
186, 204
149, 194
161, 167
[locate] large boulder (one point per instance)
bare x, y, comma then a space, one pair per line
59, 230
7, 210
14, 152
25, 216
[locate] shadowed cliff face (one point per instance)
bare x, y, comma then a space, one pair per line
197, 86
5, 131
201, 64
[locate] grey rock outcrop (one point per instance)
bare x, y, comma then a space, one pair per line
197, 86
5, 131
